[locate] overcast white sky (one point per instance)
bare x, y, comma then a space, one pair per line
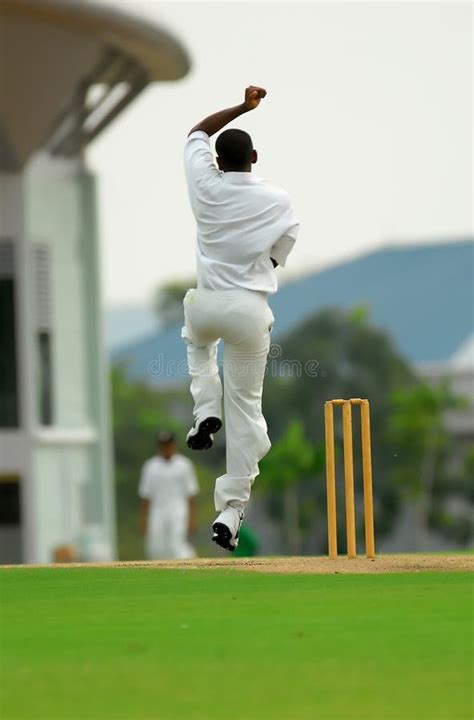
367, 124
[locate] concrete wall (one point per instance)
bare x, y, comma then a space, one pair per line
65, 465
15, 445
72, 459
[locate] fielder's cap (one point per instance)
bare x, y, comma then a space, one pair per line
165, 436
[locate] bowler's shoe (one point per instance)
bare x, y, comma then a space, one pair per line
201, 436
226, 528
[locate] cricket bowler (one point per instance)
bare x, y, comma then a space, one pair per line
245, 229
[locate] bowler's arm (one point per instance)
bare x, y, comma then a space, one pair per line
212, 124
282, 248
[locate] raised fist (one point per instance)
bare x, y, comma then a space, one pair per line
253, 95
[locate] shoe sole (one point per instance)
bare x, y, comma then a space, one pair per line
202, 440
222, 536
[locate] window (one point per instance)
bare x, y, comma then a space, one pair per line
45, 390
43, 352
11, 550
9, 500
8, 349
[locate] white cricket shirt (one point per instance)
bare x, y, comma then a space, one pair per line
167, 484
242, 222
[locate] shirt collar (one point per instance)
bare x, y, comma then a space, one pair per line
243, 177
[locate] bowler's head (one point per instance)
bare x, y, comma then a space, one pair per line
235, 151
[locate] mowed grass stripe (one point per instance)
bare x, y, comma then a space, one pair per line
169, 644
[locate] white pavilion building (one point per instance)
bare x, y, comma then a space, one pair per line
67, 69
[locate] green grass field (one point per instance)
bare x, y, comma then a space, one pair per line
136, 643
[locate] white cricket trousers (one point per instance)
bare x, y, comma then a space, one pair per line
243, 320
167, 537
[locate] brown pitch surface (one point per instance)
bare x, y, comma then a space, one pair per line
298, 565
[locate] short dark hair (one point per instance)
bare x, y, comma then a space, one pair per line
235, 148
164, 437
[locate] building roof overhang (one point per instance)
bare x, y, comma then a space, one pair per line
68, 67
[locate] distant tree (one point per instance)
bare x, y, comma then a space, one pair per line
332, 354
283, 473
139, 411
338, 354
168, 302
424, 447
452, 511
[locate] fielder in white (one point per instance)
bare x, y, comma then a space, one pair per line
167, 491
245, 229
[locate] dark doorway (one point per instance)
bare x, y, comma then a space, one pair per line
10, 520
